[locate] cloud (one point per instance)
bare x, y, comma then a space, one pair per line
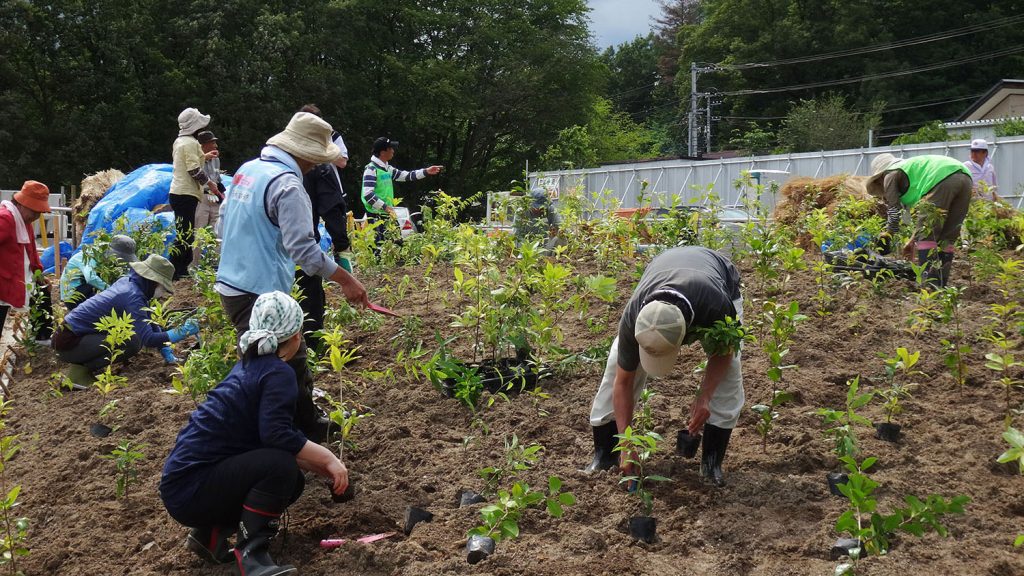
616, 21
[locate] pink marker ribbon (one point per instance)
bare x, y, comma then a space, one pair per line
336, 542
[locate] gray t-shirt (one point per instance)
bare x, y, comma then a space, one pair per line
708, 280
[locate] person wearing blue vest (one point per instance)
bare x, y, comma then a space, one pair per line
941, 181
265, 232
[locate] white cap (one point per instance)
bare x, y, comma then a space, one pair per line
660, 329
979, 144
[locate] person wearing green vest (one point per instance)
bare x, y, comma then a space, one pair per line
379, 177
941, 181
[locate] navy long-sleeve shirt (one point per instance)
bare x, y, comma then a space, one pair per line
254, 407
128, 294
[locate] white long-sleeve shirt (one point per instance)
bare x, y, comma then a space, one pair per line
985, 173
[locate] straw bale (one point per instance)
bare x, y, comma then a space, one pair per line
801, 195
94, 187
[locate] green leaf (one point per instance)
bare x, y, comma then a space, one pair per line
554, 508
567, 499
554, 484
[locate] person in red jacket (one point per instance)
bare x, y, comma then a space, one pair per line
18, 256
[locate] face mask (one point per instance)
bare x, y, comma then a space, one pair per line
160, 292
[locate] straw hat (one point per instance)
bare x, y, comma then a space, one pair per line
191, 121
307, 137
158, 269
33, 195
879, 165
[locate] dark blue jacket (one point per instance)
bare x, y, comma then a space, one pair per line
129, 294
254, 407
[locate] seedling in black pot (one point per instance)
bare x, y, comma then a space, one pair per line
639, 448
501, 520
842, 428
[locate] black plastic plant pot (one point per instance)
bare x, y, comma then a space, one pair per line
508, 376
100, 430
834, 480
345, 496
414, 516
888, 432
479, 548
686, 445
644, 528
468, 498
845, 547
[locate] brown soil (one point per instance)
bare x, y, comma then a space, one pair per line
774, 517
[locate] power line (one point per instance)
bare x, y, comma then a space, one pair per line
869, 77
991, 25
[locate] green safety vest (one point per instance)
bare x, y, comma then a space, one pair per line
384, 189
924, 172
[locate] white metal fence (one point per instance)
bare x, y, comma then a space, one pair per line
692, 178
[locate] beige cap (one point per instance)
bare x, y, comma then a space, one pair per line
660, 330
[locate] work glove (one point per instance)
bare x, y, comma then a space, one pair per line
189, 328
884, 243
168, 353
344, 259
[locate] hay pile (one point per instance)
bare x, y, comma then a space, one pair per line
802, 195
93, 188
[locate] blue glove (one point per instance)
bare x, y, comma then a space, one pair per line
189, 328
168, 353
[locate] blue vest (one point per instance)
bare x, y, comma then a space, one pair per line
253, 258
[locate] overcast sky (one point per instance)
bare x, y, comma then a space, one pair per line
616, 21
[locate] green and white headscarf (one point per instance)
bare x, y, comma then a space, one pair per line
275, 317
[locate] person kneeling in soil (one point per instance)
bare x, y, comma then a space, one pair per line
79, 281
681, 291
236, 464
80, 343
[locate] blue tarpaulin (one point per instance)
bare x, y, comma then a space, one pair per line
143, 189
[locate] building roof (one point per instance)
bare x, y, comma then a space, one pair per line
989, 100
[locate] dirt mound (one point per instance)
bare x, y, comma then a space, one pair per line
803, 194
94, 187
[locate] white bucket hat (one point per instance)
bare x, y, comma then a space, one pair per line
879, 165
660, 330
191, 121
979, 144
308, 137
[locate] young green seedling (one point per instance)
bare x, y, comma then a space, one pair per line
1003, 363
119, 330
955, 357
875, 530
843, 421
639, 449
125, 457
1015, 453
518, 458
501, 520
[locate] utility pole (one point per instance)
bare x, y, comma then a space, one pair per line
693, 146
709, 118
692, 134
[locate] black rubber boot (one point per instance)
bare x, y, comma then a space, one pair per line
716, 440
258, 525
604, 446
211, 544
947, 267
932, 276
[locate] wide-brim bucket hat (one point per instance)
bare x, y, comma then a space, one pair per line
874, 184
158, 269
308, 137
191, 121
34, 195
